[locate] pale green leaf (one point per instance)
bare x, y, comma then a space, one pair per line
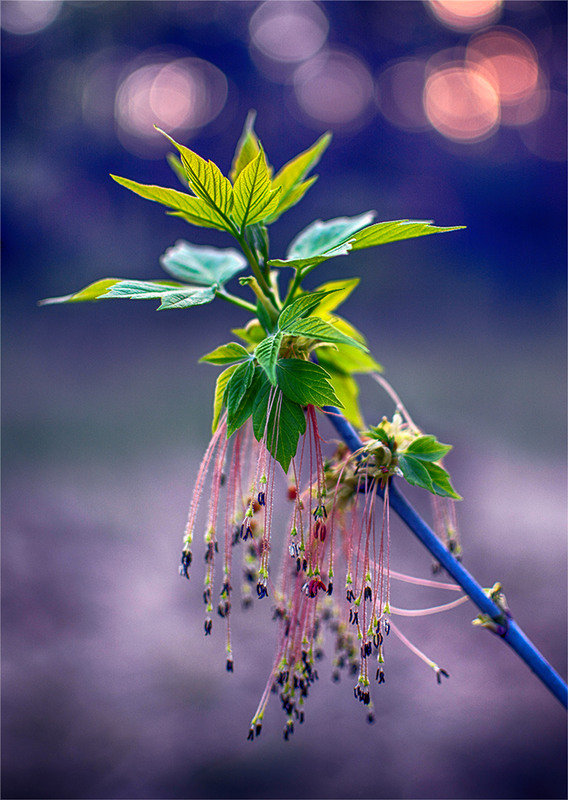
220, 386
266, 354
347, 360
187, 298
226, 354
385, 232
427, 448
252, 334
201, 264
247, 147
253, 197
316, 328
94, 291
319, 237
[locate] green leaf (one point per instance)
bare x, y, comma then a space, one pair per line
247, 147
94, 291
220, 387
337, 292
305, 383
282, 427
252, 334
291, 177
202, 265
266, 354
384, 232
177, 168
415, 472
347, 360
226, 354
253, 197
316, 328
441, 482
347, 392
264, 318
427, 448
235, 393
301, 307
192, 209
207, 181
187, 298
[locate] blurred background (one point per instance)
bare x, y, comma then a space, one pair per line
451, 111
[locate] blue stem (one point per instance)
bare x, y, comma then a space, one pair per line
504, 626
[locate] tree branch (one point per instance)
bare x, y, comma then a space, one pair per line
498, 620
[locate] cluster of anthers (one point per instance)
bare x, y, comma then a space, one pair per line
339, 526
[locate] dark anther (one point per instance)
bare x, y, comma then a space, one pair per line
305, 564
298, 564
208, 626
261, 498
258, 728
318, 654
387, 627
350, 596
330, 588
367, 594
229, 665
225, 589
301, 717
207, 596
236, 535
185, 564
368, 648
261, 590
355, 620
224, 608
356, 691
335, 676
439, 673
370, 717
366, 697
320, 530
211, 550
247, 602
250, 736
380, 675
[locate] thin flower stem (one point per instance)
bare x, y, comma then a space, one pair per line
504, 626
237, 301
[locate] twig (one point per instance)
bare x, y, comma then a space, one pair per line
498, 619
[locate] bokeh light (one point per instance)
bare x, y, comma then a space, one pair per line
334, 88
399, 94
180, 95
288, 31
546, 137
465, 15
511, 60
461, 103
28, 16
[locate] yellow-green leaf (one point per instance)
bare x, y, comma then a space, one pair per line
253, 198
220, 386
94, 291
294, 172
247, 147
341, 291
347, 392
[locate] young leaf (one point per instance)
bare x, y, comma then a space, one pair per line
415, 472
316, 328
266, 354
264, 318
177, 168
347, 392
252, 334
346, 360
253, 197
206, 180
94, 291
338, 291
301, 307
247, 147
427, 448
226, 354
192, 209
384, 232
291, 177
441, 484
187, 298
220, 387
202, 265
283, 426
305, 383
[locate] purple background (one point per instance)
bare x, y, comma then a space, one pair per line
109, 688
